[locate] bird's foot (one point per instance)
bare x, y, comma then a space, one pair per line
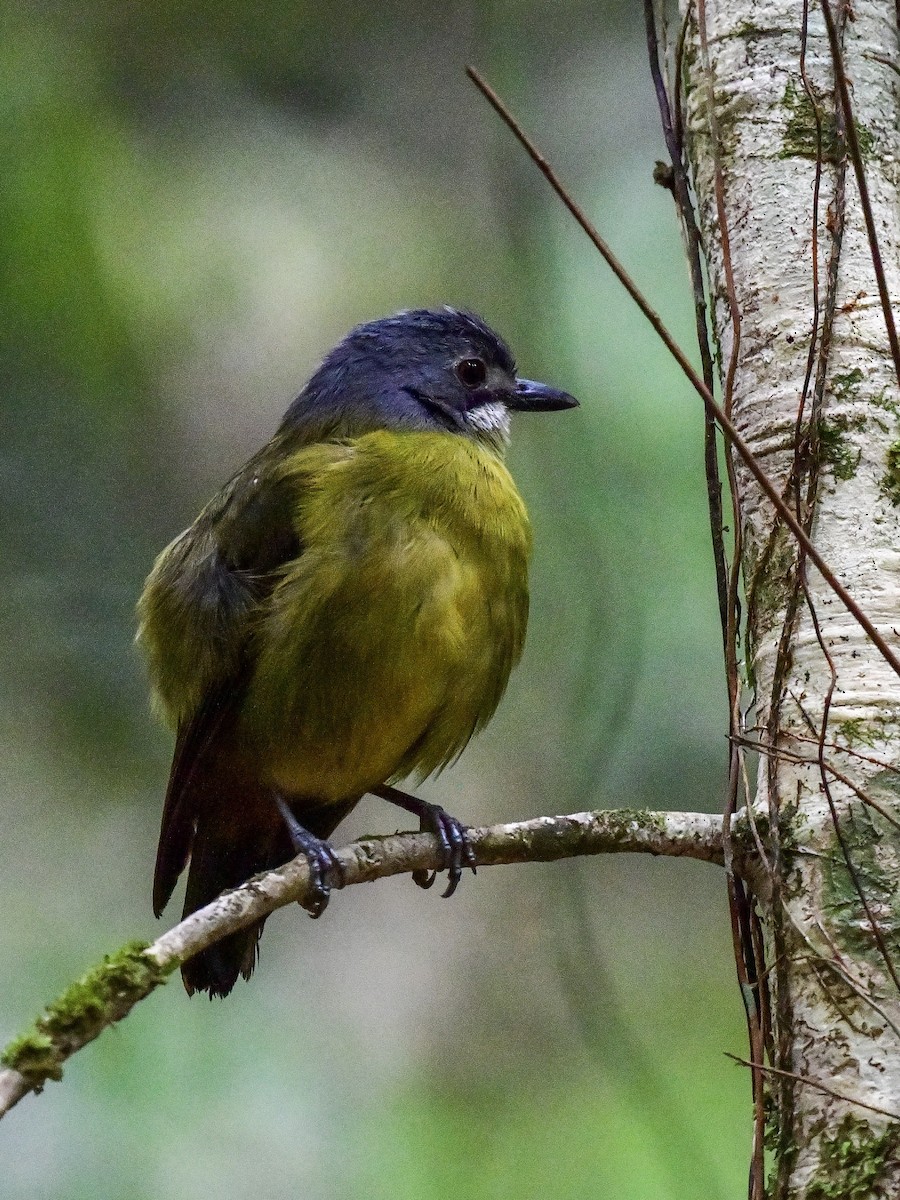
450, 833
325, 870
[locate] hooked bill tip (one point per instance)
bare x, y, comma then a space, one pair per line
531, 396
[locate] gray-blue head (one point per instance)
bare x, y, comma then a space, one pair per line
428, 369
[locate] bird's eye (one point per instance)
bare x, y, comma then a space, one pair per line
471, 371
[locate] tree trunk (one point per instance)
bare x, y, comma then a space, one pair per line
807, 373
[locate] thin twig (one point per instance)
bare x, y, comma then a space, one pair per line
836, 964
832, 807
685, 207
843, 91
814, 1083
739, 903
725, 424
784, 755
892, 768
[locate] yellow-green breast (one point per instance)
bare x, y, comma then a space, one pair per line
389, 641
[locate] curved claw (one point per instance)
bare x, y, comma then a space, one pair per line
456, 852
459, 853
325, 870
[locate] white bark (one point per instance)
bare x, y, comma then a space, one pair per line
836, 1007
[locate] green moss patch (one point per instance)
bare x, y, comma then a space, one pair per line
102, 995
890, 480
855, 733
845, 385
770, 580
836, 449
882, 400
873, 846
854, 1161
802, 135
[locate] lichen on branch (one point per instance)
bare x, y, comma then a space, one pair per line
107, 992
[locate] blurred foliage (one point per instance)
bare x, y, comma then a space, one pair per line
198, 201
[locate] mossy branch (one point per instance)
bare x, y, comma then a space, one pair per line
109, 991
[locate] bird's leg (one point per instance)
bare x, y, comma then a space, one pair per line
450, 833
325, 871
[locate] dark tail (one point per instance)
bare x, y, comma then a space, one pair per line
219, 816
225, 853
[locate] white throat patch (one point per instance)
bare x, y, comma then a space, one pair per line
491, 423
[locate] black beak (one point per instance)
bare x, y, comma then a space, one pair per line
538, 397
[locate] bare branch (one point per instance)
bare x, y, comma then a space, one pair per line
109, 991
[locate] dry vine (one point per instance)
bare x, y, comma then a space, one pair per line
772, 1034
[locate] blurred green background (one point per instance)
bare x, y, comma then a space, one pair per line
197, 202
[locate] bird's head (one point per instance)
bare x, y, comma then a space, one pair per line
427, 369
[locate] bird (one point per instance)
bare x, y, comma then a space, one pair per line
344, 614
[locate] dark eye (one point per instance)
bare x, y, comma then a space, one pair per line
471, 371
